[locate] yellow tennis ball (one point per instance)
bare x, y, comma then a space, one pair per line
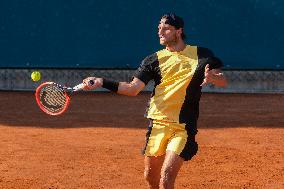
35, 75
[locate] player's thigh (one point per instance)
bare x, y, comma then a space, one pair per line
171, 165
153, 165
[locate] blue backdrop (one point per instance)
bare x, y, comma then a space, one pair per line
245, 34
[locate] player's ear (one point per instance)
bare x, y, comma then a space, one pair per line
179, 31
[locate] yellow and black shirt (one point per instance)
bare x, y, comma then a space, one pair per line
177, 77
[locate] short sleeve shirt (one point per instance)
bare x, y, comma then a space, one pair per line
177, 78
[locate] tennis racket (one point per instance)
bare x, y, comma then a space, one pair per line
53, 98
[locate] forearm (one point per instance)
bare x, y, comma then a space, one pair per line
124, 88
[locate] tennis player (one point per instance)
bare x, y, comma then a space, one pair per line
179, 71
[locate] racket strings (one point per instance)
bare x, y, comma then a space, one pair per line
52, 98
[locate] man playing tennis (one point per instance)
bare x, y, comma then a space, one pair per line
179, 71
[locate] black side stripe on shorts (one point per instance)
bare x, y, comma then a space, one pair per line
148, 134
191, 146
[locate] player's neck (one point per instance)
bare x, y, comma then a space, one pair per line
179, 46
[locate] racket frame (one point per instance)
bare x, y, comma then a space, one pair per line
65, 94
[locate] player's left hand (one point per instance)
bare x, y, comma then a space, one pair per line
210, 75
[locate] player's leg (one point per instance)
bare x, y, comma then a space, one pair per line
154, 151
152, 170
170, 169
181, 147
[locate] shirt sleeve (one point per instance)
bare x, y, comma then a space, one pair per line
208, 57
145, 71
214, 63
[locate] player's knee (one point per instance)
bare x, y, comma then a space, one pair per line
167, 179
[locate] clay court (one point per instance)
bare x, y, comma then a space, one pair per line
96, 143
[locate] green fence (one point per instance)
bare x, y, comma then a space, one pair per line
239, 81
245, 34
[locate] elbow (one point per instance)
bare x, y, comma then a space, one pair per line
223, 84
222, 81
133, 93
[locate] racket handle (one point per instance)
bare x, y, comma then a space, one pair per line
79, 87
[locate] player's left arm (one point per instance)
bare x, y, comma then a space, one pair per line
215, 77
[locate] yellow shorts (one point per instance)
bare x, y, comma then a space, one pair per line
166, 136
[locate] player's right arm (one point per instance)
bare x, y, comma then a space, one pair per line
141, 77
125, 88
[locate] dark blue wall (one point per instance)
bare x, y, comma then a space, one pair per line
245, 34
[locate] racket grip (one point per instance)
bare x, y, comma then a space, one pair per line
82, 85
79, 87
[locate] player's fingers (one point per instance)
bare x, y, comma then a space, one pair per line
219, 74
207, 66
206, 71
92, 83
88, 79
204, 82
86, 87
88, 82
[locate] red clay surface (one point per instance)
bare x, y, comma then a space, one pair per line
97, 143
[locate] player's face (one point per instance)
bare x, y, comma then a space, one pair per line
168, 34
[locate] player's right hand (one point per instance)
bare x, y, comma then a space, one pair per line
92, 83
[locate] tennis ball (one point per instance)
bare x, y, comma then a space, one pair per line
35, 76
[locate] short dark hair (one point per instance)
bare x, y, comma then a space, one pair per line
175, 21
